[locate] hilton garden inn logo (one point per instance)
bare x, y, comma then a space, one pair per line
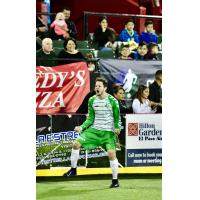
145, 131
135, 129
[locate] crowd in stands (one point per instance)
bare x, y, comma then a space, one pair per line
127, 45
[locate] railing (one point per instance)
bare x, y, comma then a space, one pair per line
86, 14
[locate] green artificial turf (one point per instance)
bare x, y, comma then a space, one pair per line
97, 188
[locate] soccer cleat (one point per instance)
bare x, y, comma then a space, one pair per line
71, 172
114, 183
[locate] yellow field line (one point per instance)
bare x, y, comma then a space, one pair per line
93, 171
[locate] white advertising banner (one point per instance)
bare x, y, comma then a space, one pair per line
143, 140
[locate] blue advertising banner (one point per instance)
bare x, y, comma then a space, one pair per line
129, 74
144, 157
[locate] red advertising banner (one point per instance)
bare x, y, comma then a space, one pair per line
61, 89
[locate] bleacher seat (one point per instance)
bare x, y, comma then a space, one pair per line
159, 39
159, 55
106, 54
85, 51
58, 43
57, 50
82, 44
93, 45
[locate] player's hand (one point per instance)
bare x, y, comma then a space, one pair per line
78, 129
117, 131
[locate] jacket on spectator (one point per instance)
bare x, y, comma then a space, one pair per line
155, 94
102, 38
137, 56
47, 60
72, 28
125, 36
71, 57
59, 30
148, 37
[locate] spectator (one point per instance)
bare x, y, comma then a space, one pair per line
45, 56
70, 52
149, 34
153, 51
59, 27
141, 53
141, 103
129, 35
41, 28
119, 93
125, 52
104, 36
156, 90
71, 26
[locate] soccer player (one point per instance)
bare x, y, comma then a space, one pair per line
100, 129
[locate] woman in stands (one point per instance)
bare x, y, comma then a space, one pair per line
119, 93
70, 54
104, 36
141, 103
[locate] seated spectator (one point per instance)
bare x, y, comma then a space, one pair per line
41, 28
91, 65
38, 43
129, 35
45, 56
149, 34
59, 28
70, 54
104, 36
119, 93
141, 103
141, 53
71, 26
152, 51
125, 52
155, 90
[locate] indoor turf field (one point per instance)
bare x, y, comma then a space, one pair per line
96, 187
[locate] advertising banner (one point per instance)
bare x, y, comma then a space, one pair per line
62, 88
129, 74
54, 137
143, 140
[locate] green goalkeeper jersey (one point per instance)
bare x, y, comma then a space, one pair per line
103, 114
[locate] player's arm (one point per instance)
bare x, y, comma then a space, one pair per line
90, 119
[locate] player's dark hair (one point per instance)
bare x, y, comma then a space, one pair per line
139, 92
103, 80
